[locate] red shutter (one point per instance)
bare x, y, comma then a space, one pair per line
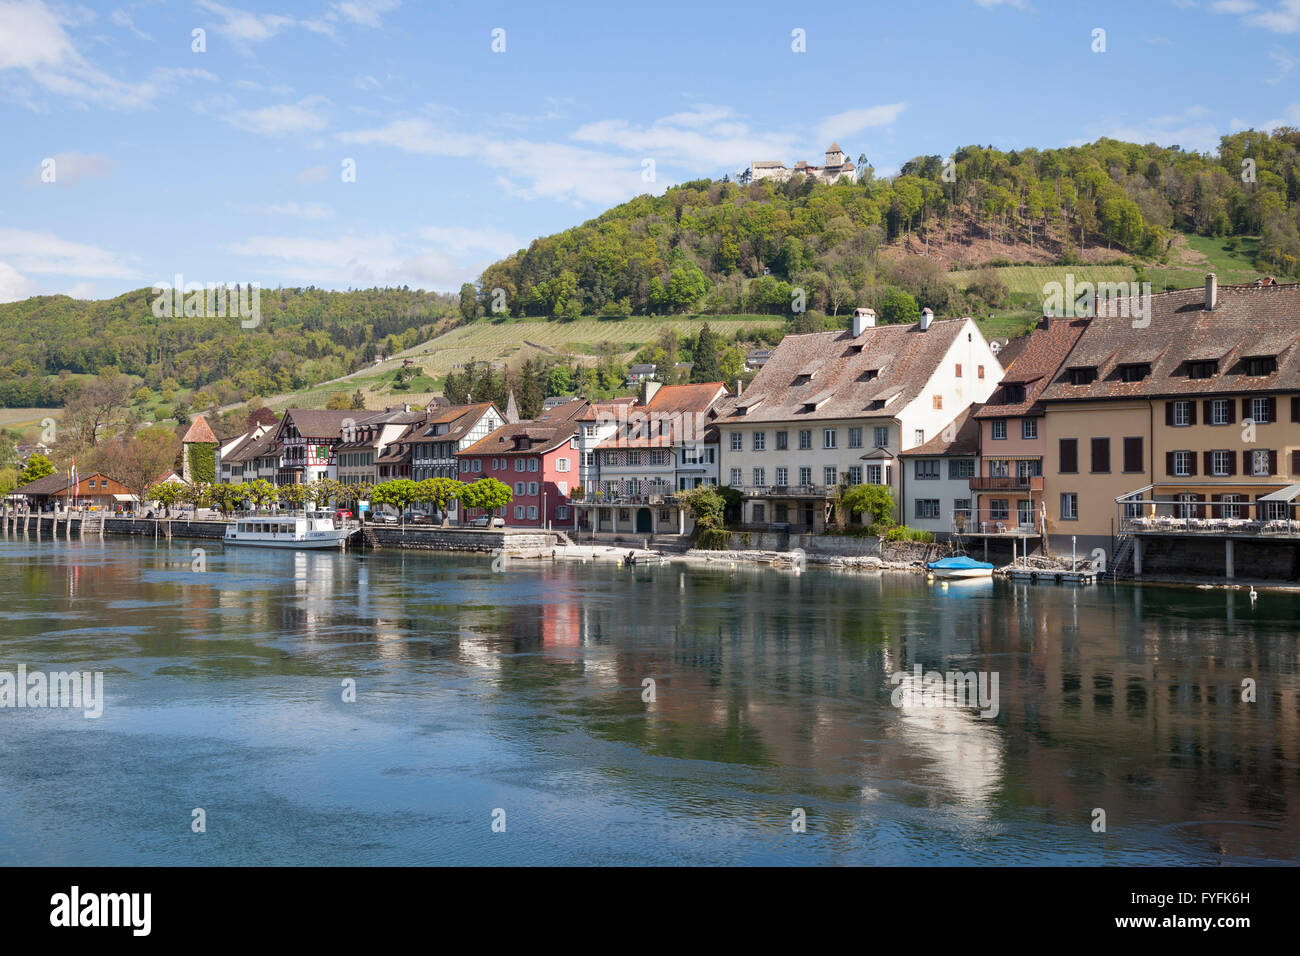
1272, 462
1191, 413
1208, 460
1169, 413
1169, 463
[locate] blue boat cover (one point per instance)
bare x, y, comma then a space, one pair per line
960, 563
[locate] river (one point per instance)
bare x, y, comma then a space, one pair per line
584, 714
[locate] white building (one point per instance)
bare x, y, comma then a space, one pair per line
838, 166
833, 409
936, 476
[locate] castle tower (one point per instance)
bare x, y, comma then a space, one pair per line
195, 452
835, 155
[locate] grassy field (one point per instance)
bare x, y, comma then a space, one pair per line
27, 419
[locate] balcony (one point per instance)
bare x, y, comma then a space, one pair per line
1005, 483
786, 491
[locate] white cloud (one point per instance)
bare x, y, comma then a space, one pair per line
300, 210
366, 13
284, 119
313, 174
1282, 16
37, 48
702, 140
41, 253
372, 260
846, 124
460, 240
72, 168
14, 285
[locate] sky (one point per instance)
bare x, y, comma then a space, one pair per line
364, 143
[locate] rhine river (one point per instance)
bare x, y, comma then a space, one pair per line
521, 698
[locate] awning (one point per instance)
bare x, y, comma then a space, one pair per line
1289, 493
124, 497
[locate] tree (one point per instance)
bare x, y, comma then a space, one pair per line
139, 461
899, 306
486, 494
707, 508
358, 402
96, 405
166, 493
225, 497
260, 492
339, 401
399, 493
292, 496
707, 366
38, 466
438, 493
874, 501
468, 302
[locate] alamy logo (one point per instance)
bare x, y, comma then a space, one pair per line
75, 689
1087, 299
952, 689
634, 427
215, 300
103, 909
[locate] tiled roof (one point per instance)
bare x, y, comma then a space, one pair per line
544, 433
200, 433
49, 485
1042, 354
902, 357
961, 436
460, 419
321, 422
1248, 320
674, 402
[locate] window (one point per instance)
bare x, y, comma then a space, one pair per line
1133, 457
519, 512
562, 512
828, 476
1220, 463
533, 464
1182, 413
760, 514
1083, 375
1013, 394
1231, 507
1069, 506
782, 441
881, 437
1261, 365
561, 464
805, 440
783, 476
1205, 369
927, 507
532, 489
919, 436
736, 478
961, 468
633, 458
1183, 464
1069, 455
520, 465
936, 401
855, 474
961, 508
1134, 372
979, 371
1275, 511
998, 428
1028, 428
563, 488
1100, 456
478, 465
999, 468
1220, 411
1261, 462
999, 509
855, 437
760, 476
1261, 410
927, 469
520, 488
737, 442
805, 476
957, 370
828, 438
873, 475
760, 441
658, 457
532, 512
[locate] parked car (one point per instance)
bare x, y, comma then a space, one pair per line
343, 514
485, 521
383, 517
415, 517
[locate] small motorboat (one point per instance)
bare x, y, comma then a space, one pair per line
961, 566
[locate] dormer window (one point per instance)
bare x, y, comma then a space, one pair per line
870, 374
1083, 375
1013, 394
1134, 372
1206, 368
1261, 365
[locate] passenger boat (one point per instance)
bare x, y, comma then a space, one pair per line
295, 532
960, 567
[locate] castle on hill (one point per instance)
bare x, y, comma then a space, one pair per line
838, 166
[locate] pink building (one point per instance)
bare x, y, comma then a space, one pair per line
537, 459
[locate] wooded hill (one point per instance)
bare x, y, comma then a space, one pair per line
725, 247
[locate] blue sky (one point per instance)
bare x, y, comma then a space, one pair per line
226, 165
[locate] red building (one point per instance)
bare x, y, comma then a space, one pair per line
538, 459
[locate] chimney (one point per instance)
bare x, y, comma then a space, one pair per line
1211, 291
740, 387
927, 316
863, 319
648, 389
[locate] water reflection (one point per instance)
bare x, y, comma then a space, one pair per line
772, 690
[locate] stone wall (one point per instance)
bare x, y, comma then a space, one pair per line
486, 540
818, 544
1190, 556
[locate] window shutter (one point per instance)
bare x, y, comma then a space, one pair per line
1191, 412
1232, 412
1200, 509
1208, 462
1272, 408
1208, 408
1169, 413
1245, 461
1191, 463
1216, 511
1295, 408
1169, 463
1069, 454
1232, 463
1295, 462
1245, 408
1272, 461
